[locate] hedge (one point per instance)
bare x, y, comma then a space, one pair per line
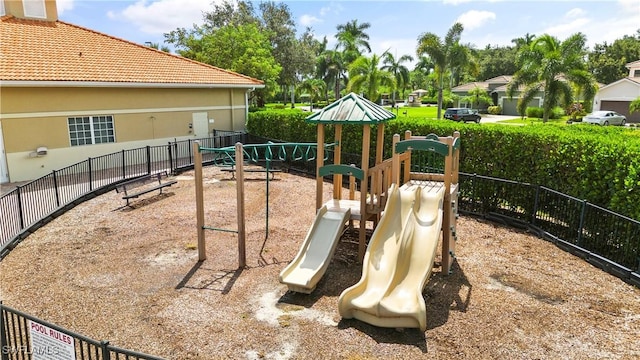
598, 164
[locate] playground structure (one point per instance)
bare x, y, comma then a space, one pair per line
402, 249
408, 206
236, 156
416, 232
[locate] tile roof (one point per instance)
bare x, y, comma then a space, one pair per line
470, 86
33, 50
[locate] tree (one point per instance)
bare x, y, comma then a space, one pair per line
524, 41
444, 54
332, 68
352, 38
399, 71
314, 87
478, 96
496, 61
367, 77
634, 106
607, 62
551, 66
243, 49
157, 46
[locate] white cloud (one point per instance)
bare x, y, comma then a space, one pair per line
332, 8
455, 2
475, 18
64, 5
630, 5
308, 20
162, 16
566, 29
575, 13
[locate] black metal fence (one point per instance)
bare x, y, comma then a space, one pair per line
22, 336
601, 237
29, 206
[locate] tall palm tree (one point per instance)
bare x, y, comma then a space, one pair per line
352, 38
332, 69
367, 77
314, 87
524, 41
399, 71
551, 66
446, 54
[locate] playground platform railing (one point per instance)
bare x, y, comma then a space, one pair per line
603, 238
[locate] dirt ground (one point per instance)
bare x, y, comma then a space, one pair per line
131, 276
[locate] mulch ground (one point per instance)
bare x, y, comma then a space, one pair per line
131, 276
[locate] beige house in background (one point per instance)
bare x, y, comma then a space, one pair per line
68, 93
618, 95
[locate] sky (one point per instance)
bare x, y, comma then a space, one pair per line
395, 25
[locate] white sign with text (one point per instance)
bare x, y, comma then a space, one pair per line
50, 344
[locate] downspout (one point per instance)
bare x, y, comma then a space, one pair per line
246, 106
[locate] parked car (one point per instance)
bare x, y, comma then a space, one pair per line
604, 118
462, 114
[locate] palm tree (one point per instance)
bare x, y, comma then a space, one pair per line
477, 96
331, 68
352, 38
524, 41
446, 55
367, 77
550, 66
314, 87
634, 106
399, 71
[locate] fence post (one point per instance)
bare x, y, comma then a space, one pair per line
20, 210
582, 214
90, 175
106, 354
535, 206
3, 341
173, 168
55, 186
124, 166
148, 160
190, 152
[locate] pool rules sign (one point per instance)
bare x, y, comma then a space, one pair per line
50, 344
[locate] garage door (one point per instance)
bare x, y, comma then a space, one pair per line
622, 107
510, 107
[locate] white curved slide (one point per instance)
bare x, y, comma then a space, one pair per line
398, 261
311, 262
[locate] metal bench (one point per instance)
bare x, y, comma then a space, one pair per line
127, 187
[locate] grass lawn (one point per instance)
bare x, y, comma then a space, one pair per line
532, 121
423, 111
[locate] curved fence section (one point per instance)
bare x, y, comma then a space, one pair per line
601, 237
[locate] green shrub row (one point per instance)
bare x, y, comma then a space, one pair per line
538, 112
597, 164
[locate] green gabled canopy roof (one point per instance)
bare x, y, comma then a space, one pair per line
352, 109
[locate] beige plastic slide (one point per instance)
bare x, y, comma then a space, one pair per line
398, 261
311, 262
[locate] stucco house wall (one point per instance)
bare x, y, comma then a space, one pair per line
618, 95
55, 75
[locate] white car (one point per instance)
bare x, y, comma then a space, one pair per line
604, 118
